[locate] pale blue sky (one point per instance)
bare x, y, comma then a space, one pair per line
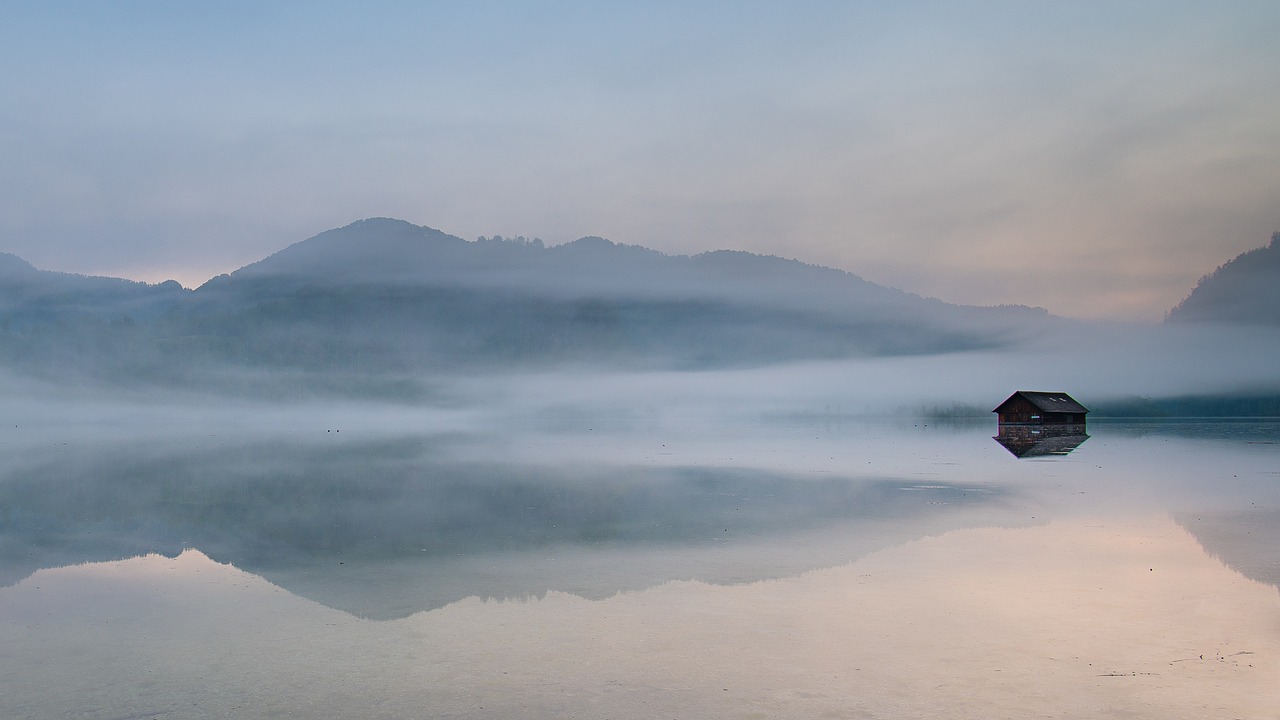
1118, 150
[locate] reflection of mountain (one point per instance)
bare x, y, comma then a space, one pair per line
1026, 441
384, 296
1246, 541
386, 529
1244, 290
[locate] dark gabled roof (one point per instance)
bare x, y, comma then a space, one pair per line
1057, 402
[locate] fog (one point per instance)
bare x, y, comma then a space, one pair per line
583, 480
1093, 363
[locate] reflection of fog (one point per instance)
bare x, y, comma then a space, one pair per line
391, 527
382, 522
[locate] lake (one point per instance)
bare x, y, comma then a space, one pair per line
405, 564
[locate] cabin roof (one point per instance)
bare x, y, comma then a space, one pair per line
1057, 402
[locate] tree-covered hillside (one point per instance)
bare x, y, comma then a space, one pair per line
1244, 290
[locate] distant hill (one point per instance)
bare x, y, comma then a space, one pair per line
1245, 290
383, 297
12, 266
23, 288
390, 294
387, 252
60, 323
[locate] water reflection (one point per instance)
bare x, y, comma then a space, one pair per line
1096, 616
1030, 441
1248, 541
388, 528
1254, 430
850, 570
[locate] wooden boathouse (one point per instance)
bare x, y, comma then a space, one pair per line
1027, 407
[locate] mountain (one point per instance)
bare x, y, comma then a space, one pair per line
388, 294
52, 322
14, 267
24, 289
1246, 290
387, 252
385, 298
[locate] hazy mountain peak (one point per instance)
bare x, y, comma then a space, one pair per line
1245, 289
169, 286
366, 250
591, 241
396, 252
595, 247
13, 265
14, 268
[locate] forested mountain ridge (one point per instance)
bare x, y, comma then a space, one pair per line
384, 297
23, 287
494, 302
1244, 290
385, 251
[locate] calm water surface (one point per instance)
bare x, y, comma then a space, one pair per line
610, 568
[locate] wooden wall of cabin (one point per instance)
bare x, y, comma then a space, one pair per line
1018, 410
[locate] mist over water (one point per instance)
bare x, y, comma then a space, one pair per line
626, 541
1095, 364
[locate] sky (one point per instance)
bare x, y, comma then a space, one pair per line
1091, 158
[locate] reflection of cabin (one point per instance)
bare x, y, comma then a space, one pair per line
1031, 441
1040, 408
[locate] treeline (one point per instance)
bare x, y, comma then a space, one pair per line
1261, 404
404, 330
